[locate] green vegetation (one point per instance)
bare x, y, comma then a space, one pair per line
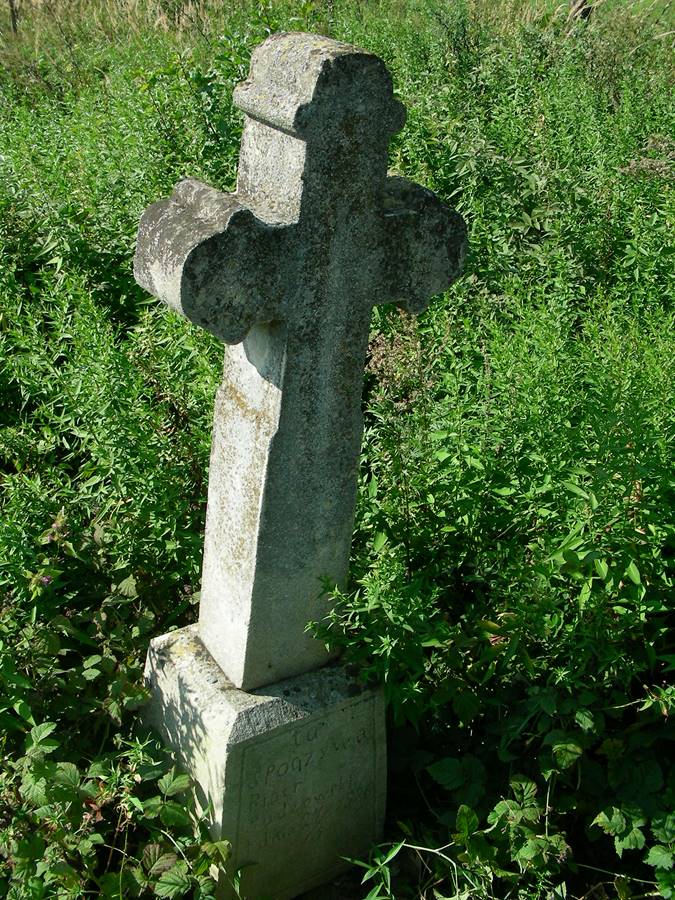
513, 559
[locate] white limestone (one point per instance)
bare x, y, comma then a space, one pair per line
295, 772
288, 269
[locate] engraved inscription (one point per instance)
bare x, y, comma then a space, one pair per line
300, 785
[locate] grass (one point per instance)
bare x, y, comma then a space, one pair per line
512, 562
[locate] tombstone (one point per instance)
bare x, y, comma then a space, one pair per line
286, 749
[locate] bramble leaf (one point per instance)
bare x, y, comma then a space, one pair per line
172, 813
171, 783
174, 883
447, 772
663, 827
164, 863
634, 840
466, 822
660, 857
612, 821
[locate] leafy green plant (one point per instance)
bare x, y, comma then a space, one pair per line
514, 542
77, 828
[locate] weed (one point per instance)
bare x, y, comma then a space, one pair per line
514, 544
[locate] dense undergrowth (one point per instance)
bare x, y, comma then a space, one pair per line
513, 558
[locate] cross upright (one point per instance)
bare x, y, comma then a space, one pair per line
287, 270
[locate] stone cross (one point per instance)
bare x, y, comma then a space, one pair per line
287, 270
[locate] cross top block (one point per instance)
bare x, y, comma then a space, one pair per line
287, 269
306, 84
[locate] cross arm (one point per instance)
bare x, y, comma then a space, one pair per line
425, 244
206, 255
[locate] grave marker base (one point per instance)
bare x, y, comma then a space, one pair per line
294, 773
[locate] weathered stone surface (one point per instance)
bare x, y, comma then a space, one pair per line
295, 773
288, 270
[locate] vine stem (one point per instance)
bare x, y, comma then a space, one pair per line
114, 847
177, 846
619, 875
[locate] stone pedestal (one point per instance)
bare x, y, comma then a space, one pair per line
294, 772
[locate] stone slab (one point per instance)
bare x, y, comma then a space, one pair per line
295, 772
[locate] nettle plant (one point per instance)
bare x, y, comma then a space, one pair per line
88, 804
513, 564
122, 826
513, 597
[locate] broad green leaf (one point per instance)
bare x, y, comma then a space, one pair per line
35, 889
530, 850
611, 820
505, 809
173, 814
121, 884
447, 772
466, 706
151, 853
584, 719
564, 748
222, 849
379, 542
174, 883
663, 827
531, 813
8, 723
575, 489
91, 674
16, 680
524, 789
24, 710
205, 889
127, 587
646, 777
634, 840
34, 790
171, 783
152, 806
466, 822
660, 857
40, 732
68, 775
30, 848
475, 463
633, 573
164, 863
665, 881
136, 803
180, 784
566, 753
87, 845
98, 769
